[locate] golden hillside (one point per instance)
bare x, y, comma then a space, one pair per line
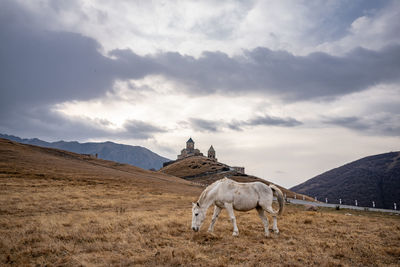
28, 161
193, 166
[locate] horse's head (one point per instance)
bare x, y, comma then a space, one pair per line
198, 216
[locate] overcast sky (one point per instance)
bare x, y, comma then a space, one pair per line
287, 89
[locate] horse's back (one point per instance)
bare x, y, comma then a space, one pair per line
243, 196
253, 186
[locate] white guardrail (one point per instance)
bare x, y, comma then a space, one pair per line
341, 206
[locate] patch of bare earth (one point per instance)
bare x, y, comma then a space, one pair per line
90, 215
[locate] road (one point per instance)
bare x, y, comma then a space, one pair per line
341, 206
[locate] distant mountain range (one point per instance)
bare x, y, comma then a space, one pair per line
134, 155
374, 178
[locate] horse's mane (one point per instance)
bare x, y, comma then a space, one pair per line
208, 188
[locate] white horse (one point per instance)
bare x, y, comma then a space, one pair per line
228, 194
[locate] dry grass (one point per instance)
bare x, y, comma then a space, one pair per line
193, 166
72, 218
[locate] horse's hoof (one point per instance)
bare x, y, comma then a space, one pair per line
235, 234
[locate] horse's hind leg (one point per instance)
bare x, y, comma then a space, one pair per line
217, 210
275, 223
229, 208
264, 219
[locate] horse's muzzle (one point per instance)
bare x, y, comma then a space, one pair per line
196, 229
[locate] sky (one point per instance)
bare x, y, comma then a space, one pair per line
287, 89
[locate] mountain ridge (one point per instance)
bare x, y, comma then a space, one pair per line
373, 178
134, 155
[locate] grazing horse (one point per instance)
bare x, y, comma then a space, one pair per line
228, 194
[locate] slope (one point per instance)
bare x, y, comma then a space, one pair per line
22, 161
205, 171
134, 155
374, 178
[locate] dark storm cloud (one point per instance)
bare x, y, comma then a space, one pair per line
45, 67
280, 73
50, 67
39, 67
44, 123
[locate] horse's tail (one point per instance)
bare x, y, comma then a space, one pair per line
279, 196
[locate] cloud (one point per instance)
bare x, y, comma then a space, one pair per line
205, 125
272, 121
50, 125
382, 124
39, 67
279, 73
236, 125
45, 123
264, 120
372, 29
348, 122
140, 130
47, 67
229, 26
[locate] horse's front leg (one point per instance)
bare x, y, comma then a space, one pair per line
217, 210
229, 208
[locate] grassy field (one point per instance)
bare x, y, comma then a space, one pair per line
97, 213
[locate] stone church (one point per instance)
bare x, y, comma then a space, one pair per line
211, 153
190, 151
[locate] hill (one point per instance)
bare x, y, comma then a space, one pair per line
133, 155
205, 171
374, 178
28, 161
59, 208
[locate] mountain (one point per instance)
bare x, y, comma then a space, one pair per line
374, 178
134, 155
205, 171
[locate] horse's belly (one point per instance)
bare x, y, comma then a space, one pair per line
244, 204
